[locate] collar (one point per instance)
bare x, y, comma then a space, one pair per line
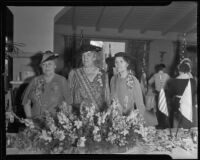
184, 76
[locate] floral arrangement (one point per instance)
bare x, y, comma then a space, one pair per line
65, 132
96, 132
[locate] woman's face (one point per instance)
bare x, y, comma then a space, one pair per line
48, 67
120, 64
88, 58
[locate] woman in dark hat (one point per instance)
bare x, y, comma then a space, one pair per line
125, 87
177, 87
47, 91
89, 84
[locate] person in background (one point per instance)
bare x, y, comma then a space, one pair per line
46, 91
89, 84
159, 79
189, 62
177, 87
125, 87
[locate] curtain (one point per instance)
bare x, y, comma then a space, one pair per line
137, 50
73, 45
173, 71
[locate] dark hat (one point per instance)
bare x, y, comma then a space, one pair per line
87, 48
48, 55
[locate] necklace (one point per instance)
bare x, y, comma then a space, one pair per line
90, 70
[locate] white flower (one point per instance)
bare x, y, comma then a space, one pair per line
52, 127
125, 132
45, 136
99, 119
111, 137
59, 135
81, 142
97, 137
96, 129
62, 118
78, 124
67, 126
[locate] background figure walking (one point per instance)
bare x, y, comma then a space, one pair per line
159, 80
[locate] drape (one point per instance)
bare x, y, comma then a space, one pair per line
73, 44
173, 71
137, 49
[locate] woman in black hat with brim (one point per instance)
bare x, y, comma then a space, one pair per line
46, 91
89, 84
125, 87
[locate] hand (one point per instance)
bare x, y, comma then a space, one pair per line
28, 121
10, 116
127, 112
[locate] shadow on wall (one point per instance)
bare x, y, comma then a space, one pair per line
35, 63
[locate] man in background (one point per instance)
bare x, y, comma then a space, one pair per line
159, 80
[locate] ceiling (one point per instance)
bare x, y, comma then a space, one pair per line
176, 17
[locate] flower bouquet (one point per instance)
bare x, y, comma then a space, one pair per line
90, 132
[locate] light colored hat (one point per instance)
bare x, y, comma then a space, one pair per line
186, 61
90, 47
48, 55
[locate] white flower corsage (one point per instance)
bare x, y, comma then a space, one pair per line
130, 80
99, 78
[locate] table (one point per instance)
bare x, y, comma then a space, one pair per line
177, 153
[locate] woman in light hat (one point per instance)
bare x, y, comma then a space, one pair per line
125, 87
47, 91
89, 84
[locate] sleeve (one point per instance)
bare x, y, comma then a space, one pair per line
138, 97
151, 80
26, 94
107, 90
112, 90
66, 91
194, 91
71, 85
167, 82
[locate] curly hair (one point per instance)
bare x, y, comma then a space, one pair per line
184, 67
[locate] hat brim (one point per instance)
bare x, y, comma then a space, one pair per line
52, 57
90, 48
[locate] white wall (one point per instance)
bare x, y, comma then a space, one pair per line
154, 56
34, 26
